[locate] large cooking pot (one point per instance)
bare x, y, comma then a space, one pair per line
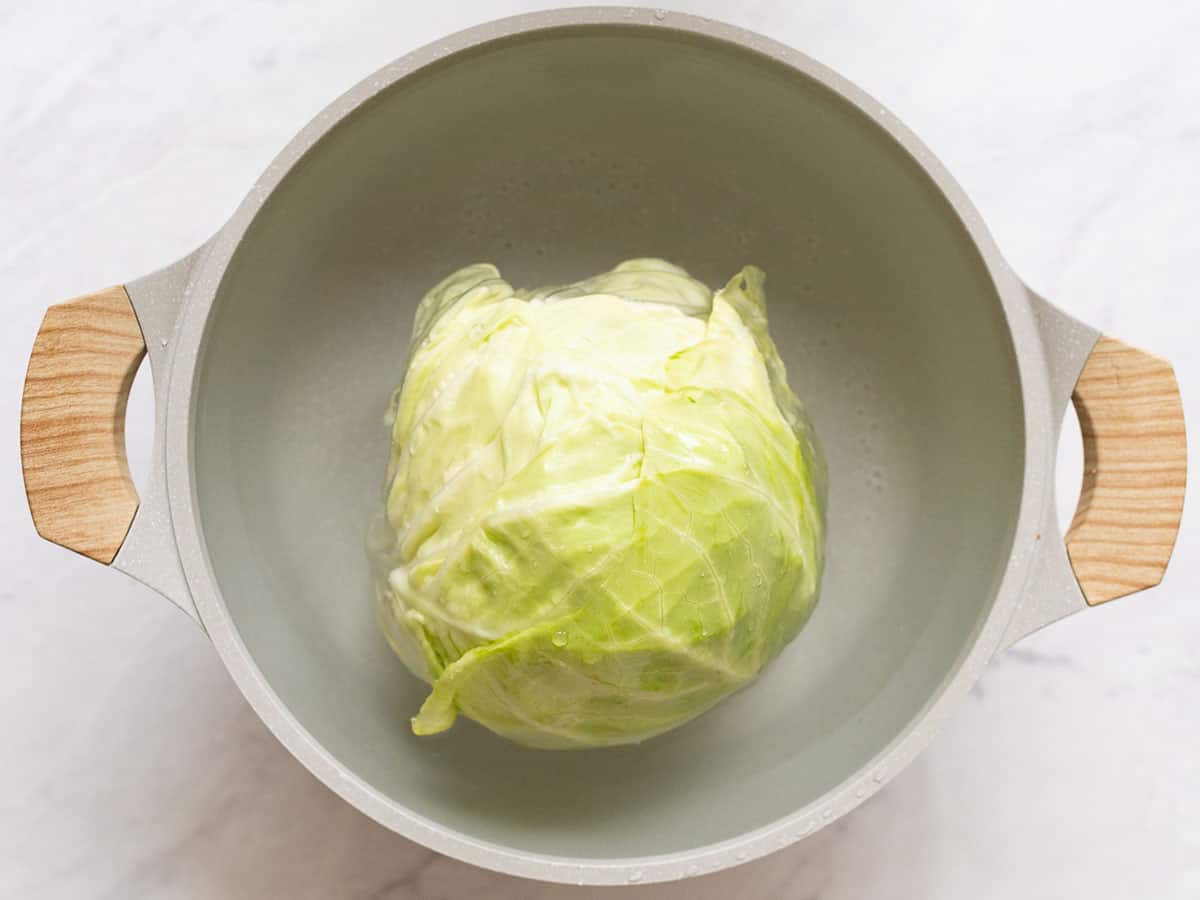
556, 144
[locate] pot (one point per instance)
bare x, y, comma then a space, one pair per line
556, 144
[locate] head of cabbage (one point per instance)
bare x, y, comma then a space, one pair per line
604, 504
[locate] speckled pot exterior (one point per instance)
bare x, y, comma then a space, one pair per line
166, 546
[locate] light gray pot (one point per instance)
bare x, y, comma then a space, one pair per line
556, 144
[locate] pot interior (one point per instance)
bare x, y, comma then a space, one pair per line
555, 155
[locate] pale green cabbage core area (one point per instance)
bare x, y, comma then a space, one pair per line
604, 503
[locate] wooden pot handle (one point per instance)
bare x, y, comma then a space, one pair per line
77, 479
1134, 471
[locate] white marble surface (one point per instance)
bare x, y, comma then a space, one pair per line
129, 764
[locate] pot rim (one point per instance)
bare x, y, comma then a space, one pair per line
202, 583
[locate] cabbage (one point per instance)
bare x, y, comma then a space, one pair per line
604, 504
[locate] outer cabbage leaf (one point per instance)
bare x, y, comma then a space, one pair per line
604, 503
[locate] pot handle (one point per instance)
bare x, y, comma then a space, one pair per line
1134, 471
77, 480
1135, 463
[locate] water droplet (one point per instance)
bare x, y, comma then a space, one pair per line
878, 776
162, 342
741, 857
860, 793
828, 812
660, 14
559, 639
693, 870
635, 876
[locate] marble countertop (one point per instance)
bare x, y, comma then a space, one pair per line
131, 767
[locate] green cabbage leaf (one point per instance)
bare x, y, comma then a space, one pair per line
604, 503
